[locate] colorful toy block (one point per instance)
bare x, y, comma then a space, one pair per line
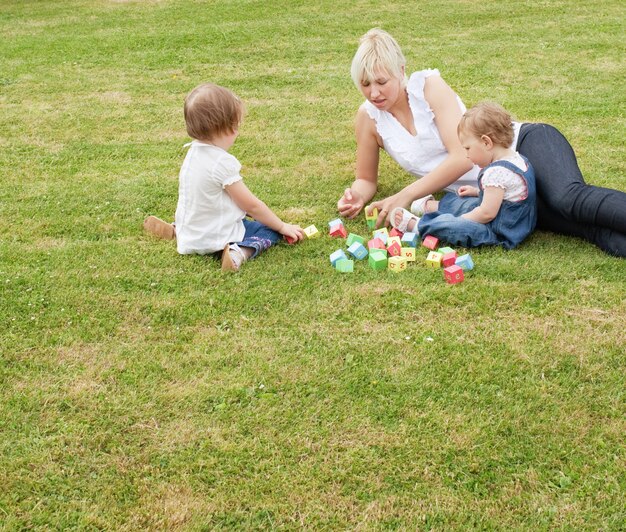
448, 258
393, 239
408, 254
465, 262
397, 264
453, 274
357, 250
352, 238
430, 242
445, 250
338, 230
434, 259
311, 232
377, 260
375, 243
344, 266
381, 233
332, 223
290, 240
371, 218
395, 232
337, 255
394, 249
409, 240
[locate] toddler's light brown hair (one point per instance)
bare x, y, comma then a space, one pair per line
211, 111
490, 119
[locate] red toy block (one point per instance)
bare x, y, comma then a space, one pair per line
376, 243
453, 274
339, 231
448, 259
290, 240
395, 232
430, 242
394, 250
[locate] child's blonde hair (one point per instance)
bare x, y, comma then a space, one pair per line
377, 51
211, 111
490, 119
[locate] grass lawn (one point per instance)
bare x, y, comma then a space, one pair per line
140, 389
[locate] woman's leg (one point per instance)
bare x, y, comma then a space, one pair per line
571, 203
609, 241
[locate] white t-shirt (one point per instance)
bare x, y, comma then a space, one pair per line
206, 217
422, 153
513, 184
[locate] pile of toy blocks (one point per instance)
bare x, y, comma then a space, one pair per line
392, 250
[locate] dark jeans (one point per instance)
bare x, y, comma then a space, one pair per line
259, 237
565, 203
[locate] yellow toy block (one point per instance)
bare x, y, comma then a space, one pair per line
311, 232
408, 254
373, 216
397, 264
434, 259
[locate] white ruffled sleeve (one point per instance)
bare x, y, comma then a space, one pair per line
227, 170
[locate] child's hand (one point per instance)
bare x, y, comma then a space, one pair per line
467, 190
293, 232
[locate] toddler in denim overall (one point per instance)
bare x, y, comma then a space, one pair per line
502, 211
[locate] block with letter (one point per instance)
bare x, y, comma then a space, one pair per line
445, 250
370, 219
448, 258
465, 262
434, 259
376, 243
397, 264
394, 249
358, 251
430, 242
395, 232
453, 274
408, 254
409, 240
311, 232
338, 230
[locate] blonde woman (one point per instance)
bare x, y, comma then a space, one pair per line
415, 121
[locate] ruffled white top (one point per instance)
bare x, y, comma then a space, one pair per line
206, 217
513, 184
421, 153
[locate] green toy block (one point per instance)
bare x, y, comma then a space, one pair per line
344, 265
445, 250
377, 260
352, 238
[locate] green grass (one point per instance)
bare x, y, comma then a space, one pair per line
140, 389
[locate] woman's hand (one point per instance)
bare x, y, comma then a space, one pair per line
350, 204
385, 207
467, 190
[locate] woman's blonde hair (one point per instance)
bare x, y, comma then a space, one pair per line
211, 111
377, 51
490, 119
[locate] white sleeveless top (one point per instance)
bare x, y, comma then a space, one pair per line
422, 153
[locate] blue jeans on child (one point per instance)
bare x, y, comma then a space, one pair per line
259, 237
513, 223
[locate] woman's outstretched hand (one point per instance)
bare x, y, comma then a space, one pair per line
350, 204
385, 208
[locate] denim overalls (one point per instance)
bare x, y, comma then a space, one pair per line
513, 223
